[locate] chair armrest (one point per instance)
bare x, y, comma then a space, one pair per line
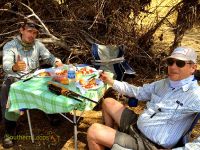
127, 68
108, 62
116, 60
185, 138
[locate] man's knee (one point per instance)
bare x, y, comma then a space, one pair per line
93, 131
108, 103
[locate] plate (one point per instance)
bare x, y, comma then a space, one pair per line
86, 70
99, 84
44, 72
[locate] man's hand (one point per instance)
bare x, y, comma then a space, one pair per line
106, 78
20, 65
58, 63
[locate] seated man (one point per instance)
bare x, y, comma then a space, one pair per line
170, 109
20, 56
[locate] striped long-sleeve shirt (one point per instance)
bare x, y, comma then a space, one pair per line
14, 49
169, 111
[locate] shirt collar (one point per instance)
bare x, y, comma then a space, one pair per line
25, 46
185, 83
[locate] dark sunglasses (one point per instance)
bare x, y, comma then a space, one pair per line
179, 63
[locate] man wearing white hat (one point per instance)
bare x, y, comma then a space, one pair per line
171, 107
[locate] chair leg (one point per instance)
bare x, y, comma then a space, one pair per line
30, 127
122, 77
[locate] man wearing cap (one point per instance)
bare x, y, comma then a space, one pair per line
21, 56
171, 107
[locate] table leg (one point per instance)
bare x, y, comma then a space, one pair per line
30, 127
75, 131
75, 122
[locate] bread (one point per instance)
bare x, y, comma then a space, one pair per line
44, 74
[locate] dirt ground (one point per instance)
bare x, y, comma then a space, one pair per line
61, 136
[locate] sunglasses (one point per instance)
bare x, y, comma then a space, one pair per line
179, 63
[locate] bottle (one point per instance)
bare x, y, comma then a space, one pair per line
71, 73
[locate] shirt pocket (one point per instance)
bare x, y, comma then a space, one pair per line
155, 99
171, 102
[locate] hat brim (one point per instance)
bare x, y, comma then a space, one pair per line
32, 26
179, 57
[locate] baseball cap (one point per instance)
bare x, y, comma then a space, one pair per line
184, 53
31, 25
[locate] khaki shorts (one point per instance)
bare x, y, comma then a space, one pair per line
129, 136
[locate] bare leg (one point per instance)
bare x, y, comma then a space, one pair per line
112, 111
99, 136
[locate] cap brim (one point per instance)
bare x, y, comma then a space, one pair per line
32, 26
179, 58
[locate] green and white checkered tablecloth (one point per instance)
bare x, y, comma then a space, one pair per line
34, 94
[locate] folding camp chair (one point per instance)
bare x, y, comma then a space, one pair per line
185, 138
111, 58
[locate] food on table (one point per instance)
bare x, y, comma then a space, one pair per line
78, 76
61, 72
61, 79
92, 81
90, 84
65, 81
44, 74
82, 82
86, 71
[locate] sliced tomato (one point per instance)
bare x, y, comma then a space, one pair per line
88, 86
91, 71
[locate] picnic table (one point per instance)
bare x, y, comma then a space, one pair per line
35, 94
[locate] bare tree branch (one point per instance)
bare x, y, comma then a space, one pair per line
99, 12
19, 14
34, 15
8, 32
53, 39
